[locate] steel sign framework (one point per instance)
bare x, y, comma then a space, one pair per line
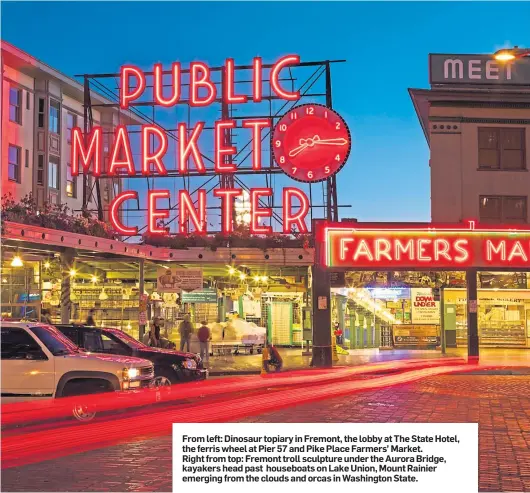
311, 79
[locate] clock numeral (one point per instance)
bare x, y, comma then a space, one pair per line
327, 170
294, 171
337, 126
282, 159
278, 143
283, 127
337, 158
310, 174
310, 110
294, 115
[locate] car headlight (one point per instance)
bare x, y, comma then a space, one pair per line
190, 364
130, 373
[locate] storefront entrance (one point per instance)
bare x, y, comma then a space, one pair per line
415, 286
404, 309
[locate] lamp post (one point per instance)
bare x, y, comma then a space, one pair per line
509, 54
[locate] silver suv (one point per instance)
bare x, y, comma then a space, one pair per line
38, 361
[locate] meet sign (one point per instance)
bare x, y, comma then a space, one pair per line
477, 70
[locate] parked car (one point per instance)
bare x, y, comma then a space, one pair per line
38, 361
170, 366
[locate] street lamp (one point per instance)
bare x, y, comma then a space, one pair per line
509, 54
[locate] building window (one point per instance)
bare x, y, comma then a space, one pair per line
55, 117
28, 97
40, 169
71, 122
15, 102
502, 209
71, 182
53, 173
13, 171
26, 162
501, 148
41, 113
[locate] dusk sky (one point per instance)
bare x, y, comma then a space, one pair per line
386, 46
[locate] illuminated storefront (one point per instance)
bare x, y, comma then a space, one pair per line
411, 280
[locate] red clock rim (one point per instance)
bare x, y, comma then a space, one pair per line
345, 157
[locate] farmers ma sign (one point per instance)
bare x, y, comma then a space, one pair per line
310, 143
369, 246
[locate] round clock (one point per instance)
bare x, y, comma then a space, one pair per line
311, 142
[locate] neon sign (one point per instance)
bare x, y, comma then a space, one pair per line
425, 246
323, 152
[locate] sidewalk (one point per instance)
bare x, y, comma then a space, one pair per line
246, 364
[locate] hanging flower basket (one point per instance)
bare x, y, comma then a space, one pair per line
53, 216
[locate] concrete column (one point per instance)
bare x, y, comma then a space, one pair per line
377, 342
472, 318
67, 263
370, 331
360, 330
353, 330
321, 290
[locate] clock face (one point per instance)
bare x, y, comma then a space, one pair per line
311, 142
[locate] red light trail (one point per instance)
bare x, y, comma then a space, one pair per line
35, 446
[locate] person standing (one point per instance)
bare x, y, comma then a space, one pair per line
204, 337
46, 317
90, 319
185, 331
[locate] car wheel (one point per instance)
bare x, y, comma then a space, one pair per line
160, 382
82, 413
81, 410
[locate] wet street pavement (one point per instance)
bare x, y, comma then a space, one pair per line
293, 358
499, 403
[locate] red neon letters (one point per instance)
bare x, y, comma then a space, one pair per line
202, 88
221, 149
121, 156
298, 218
187, 211
154, 214
256, 213
200, 78
227, 196
230, 96
92, 154
256, 126
114, 213
126, 95
155, 158
450, 247
159, 85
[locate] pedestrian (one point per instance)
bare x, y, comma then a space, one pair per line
90, 319
46, 316
338, 334
204, 335
154, 333
185, 331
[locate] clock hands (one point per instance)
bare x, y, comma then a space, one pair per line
316, 140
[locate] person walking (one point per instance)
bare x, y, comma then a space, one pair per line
185, 331
154, 333
90, 319
204, 335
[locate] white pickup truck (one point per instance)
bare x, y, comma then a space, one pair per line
38, 361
